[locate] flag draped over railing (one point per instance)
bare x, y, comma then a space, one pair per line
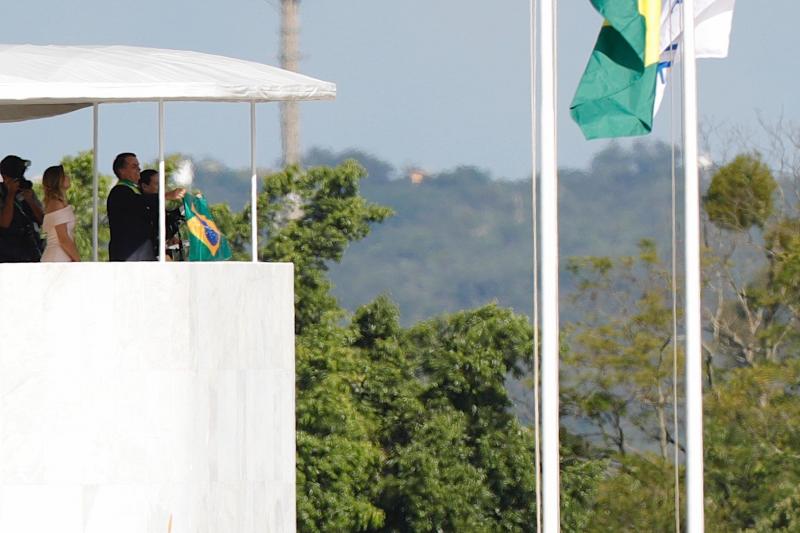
206, 242
622, 85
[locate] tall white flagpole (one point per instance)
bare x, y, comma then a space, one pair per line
537, 423
694, 368
549, 239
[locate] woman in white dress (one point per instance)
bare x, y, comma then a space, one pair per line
59, 218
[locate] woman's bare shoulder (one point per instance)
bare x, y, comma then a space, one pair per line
54, 204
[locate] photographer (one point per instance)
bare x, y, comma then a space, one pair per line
148, 184
21, 214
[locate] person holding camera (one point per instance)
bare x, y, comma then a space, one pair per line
59, 218
130, 213
148, 184
21, 214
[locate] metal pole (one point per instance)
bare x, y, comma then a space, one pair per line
253, 185
95, 182
537, 458
162, 201
694, 369
549, 212
290, 60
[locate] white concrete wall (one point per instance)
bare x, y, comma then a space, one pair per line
132, 393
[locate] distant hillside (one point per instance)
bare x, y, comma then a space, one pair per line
460, 239
221, 184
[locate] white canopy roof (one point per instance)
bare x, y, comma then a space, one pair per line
42, 81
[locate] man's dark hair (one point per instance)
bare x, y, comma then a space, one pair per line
120, 160
146, 175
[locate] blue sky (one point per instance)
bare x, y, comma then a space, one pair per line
434, 83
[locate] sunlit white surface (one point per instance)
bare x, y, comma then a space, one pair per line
132, 393
184, 175
44, 81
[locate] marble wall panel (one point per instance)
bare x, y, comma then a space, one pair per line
132, 395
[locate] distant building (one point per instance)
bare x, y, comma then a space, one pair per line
416, 176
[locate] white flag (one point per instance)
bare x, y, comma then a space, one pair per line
713, 20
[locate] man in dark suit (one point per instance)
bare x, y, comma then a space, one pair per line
130, 213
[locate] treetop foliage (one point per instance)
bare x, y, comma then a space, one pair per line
741, 194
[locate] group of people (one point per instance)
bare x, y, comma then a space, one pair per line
132, 207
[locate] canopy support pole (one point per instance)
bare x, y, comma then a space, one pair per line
551, 483
95, 181
162, 201
695, 521
253, 186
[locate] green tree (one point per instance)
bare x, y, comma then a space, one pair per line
617, 386
619, 359
784, 517
616, 366
79, 196
309, 218
432, 484
740, 194
463, 361
456, 458
635, 494
752, 443
582, 473
747, 263
338, 462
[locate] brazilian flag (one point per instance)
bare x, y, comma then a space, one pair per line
616, 95
206, 242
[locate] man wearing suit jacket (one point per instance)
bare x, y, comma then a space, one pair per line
130, 213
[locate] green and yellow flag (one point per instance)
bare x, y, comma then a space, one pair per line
206, 242
617, 91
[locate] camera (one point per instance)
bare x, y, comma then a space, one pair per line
24, 184
174, 220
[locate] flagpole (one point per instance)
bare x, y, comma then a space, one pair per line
549, 241
694, 371
537, 422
